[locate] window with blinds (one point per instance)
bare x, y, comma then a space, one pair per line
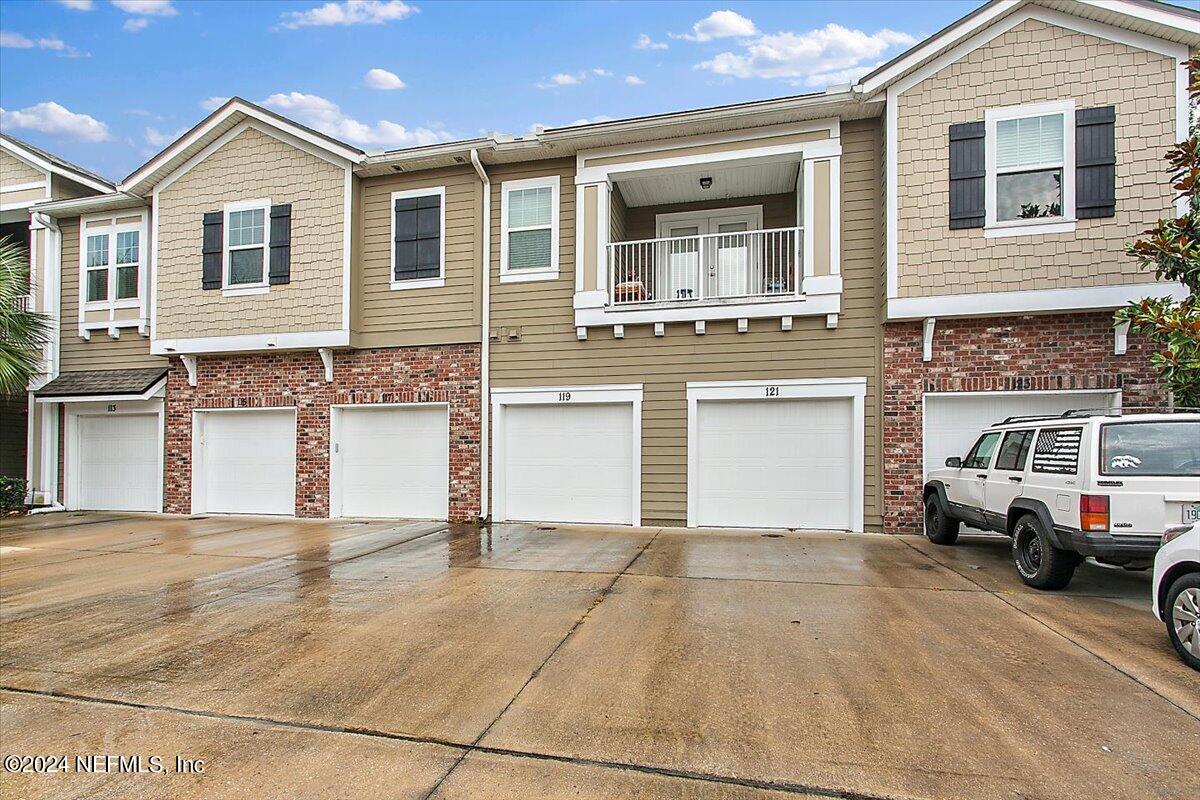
1029, 167
529, 227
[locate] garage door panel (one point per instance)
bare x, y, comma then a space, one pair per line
118, 462
394, 462
248, 462
779, 463
953, 421
569, 463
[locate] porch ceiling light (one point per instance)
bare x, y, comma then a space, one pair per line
706, 183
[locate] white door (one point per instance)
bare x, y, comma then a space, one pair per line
568, 463
118, 463
682, 257
245, 462
391, 462
773, 463
954, 421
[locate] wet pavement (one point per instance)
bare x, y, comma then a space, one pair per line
416, 660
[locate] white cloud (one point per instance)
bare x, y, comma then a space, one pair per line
560, 79
52, 43
325, 116
51, 118
348, 12
589, 120
814, 58
644, 42
147, 8
213, 103
718, 25
159, 140
77, 5
382, 79
634, 80
600, 72
136, 24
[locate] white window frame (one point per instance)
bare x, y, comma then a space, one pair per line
261, 287
552, 182
417, 283
1024, 227
110, 227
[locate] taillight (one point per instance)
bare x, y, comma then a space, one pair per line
1093, 512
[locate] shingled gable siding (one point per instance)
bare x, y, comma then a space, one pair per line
101, 351
1033, 62
432, 374
384, 316
250, 166
14, 171
547, 352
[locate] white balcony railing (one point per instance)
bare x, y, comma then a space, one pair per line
715, 266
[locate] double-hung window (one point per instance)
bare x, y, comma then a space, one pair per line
97, 262
246, 242
529, 219
418, 238
112, 271
1030, 164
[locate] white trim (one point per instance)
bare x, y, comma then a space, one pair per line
198, 497
247, 342
336, 452
1029, 301
502, 397
348, 222
105, 407
554, 183
236, 289
802, 306
37, 162
111, 303
418, 283
984, 31
1061, 224
271, 125
854, 388
24, 187
754, 215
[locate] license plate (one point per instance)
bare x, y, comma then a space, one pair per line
1191, 513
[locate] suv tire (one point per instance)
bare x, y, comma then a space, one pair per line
1039, 563
1184, 593
940, 527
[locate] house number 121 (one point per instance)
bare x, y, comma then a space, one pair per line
772, 391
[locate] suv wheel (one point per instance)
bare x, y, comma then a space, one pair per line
940, 528
1039, 563
1183, 618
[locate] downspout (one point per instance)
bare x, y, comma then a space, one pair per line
485, 400
50, 294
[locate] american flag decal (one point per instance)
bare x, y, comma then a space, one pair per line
1057, 451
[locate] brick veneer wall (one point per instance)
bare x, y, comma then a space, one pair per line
442, 374
1070, 351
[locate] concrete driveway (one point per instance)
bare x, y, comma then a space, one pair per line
411, 660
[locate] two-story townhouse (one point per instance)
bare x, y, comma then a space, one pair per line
765, 314
1025, 148
30, 176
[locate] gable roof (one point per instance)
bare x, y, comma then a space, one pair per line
234, 112
1148, 17
49, 162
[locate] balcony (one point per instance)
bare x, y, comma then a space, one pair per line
716, 267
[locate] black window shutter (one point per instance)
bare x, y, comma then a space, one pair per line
214, 225
281, 244
967, 171
418, 242
1095, 162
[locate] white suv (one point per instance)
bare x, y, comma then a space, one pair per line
1177, 590
1071, 486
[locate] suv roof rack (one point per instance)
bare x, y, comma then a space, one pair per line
1075, 413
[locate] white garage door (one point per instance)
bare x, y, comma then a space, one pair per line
568, 463
246, 462
391, 462
118, 463
953, 421
773, 464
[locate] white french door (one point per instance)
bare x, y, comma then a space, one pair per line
706, 254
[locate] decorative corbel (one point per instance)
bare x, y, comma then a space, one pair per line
327, 359
927, 339
189, 363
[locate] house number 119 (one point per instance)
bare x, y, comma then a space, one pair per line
564, 397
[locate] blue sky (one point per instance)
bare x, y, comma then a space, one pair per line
107, 83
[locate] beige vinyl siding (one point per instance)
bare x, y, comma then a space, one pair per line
384, 316
1033, 62
779, 211
100, 352
14, 171
548, 353
65, 189
617, 215
250, 166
